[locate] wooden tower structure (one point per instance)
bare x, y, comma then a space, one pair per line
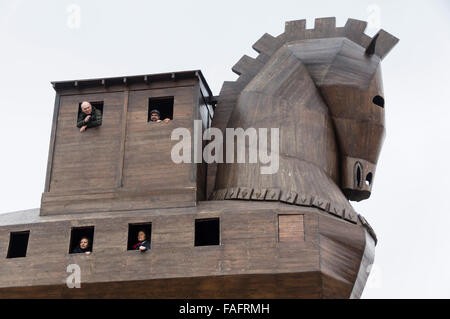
216, 230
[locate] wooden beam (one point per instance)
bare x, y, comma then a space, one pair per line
52, 143
381, 44
126, 94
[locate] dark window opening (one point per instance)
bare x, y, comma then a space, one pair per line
97, 105
378, 100
133, 232
164, 105
79, 233
18, 243
207, 232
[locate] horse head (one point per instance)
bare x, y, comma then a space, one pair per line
345, 66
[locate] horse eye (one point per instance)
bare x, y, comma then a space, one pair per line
378, 100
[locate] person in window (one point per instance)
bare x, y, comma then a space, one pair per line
83, 247
143, 244
155, 116
89, 117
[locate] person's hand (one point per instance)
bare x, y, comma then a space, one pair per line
166, 120
142, 248
87, 118
88, 253
83, 128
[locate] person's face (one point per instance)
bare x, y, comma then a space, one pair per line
86, 108
154, 117
141, 236
84, 243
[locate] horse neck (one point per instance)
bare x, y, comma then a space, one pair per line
284, 95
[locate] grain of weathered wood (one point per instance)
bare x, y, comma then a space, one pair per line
124, 163
123, 138
290, 228
249, 248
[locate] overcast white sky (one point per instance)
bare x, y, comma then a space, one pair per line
409, 207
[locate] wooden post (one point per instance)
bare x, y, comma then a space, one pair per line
126, 94
52, 143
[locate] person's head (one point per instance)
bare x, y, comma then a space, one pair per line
86, 107
141, 235
155, 115
84, 243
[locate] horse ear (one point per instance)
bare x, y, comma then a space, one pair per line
381, 44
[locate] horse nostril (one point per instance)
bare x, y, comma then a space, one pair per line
358, 174
369, 179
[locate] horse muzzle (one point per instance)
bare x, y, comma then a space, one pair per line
357, 178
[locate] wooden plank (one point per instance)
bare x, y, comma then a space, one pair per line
132, 87
71, 146
291, 228
123, 138
249, 246
52, 143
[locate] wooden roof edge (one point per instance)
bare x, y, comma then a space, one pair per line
105, 81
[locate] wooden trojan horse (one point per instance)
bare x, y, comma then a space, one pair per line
215, 230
